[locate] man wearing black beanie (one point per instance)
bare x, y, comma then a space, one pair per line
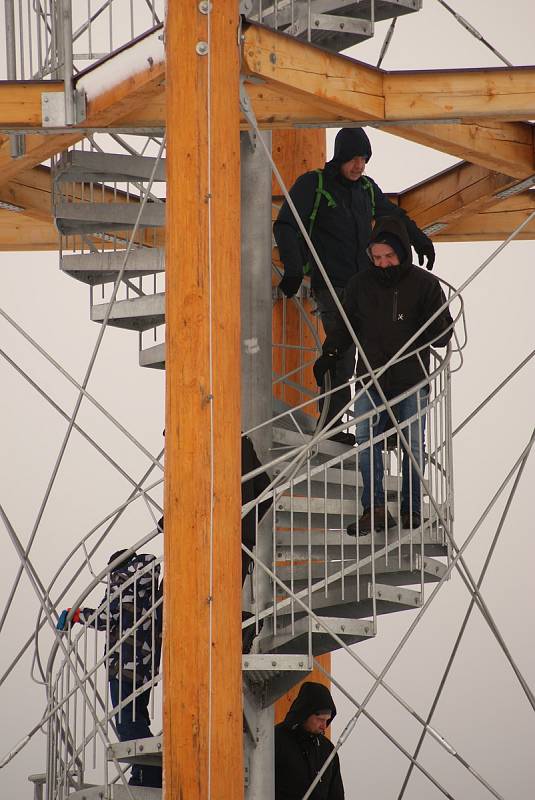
337, 206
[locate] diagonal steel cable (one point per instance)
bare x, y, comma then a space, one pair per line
386, 43
76, 427
44, 602
465, 621
492, 394
457, 557
379, 677
246, 107
470, 28
85, 382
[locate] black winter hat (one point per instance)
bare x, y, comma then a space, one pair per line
351, 142
393, 241
312, 698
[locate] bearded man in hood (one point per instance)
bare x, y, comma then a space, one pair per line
301, 748
338, 206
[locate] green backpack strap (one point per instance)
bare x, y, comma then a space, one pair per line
331, 203
368, 186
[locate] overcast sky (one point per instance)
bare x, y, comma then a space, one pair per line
483, 712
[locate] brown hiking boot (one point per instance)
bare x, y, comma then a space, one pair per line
410, 522
365, 522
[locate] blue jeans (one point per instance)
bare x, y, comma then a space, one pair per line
377, 424
139, 728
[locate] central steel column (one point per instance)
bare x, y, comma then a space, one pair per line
257, 405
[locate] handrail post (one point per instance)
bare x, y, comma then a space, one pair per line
11, 53
67, 47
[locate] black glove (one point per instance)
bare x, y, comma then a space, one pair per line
290, 284
424, 249
325, 363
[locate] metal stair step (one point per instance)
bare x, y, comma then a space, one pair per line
298, 541
286, 438
357, 601
116, 791
307, 422
74, 218
137, 751
90, 166
153, 357
294, 638
382, 564
137, 314
103, 267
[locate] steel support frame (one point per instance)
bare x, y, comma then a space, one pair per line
256, 408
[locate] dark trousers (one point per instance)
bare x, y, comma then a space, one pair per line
345, 367
139, 728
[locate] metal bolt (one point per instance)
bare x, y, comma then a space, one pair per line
205, 7
273, 58
45, 99
245, 663
317, 23
201, 48
342, 24
273, 663
46, 119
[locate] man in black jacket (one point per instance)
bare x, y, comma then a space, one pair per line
337, 206
386, 306
301, 748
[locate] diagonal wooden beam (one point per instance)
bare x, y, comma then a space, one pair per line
453, 194
111, 105
499, 146
494, 223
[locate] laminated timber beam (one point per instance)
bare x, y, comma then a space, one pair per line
495, 223
358, 91
103, 111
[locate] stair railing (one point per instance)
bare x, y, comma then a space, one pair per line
81, 720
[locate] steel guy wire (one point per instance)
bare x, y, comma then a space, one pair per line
466, 618
470, 28
76, 427
40, 623
386, 43
388, 407
78, 386
34, 580
397, 650
85, 381
379, 678
495, 391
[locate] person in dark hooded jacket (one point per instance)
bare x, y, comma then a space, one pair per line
387, 305
301, 748
337, 206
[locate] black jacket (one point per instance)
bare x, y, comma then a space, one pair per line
385, 308
299, 755
341, 233
250, 490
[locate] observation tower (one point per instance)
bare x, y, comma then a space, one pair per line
152, 147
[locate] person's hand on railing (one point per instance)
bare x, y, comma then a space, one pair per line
325, 363
62, 619
290, 284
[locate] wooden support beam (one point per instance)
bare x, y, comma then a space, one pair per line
203, 723
120, 101
495, 223
339, 85
506, 93
20, 102
453, 194
19, 232
499, 146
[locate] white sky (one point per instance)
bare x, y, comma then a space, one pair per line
483, 713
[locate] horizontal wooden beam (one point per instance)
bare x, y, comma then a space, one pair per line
506, 93
121, 100
21, 102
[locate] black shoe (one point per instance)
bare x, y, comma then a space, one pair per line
391, 442
343, 438
407, 522
365, 522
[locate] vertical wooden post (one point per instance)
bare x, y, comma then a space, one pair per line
203, 757
295, 152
